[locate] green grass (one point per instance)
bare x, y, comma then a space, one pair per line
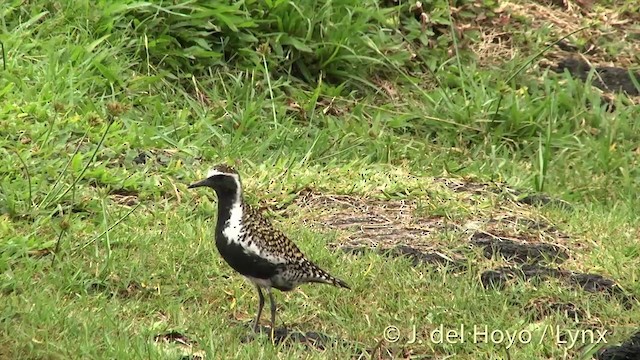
88, 87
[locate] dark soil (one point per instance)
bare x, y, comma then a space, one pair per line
629, 350
416, 256
518, 252
606, 78
592, 283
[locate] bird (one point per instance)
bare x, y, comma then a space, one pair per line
249, 243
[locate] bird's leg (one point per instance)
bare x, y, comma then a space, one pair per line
256, 325
273, 313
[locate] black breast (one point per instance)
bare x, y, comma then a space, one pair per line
246, 264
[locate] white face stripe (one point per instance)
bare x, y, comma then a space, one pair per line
214, 172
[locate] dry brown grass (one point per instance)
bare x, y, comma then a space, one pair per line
516, 19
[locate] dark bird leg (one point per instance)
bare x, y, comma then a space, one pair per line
273, 313
256, 325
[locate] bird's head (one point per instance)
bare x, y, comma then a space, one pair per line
222, 178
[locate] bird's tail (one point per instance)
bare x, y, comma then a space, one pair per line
339, 283
322, 276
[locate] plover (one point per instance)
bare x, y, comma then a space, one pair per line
249, 243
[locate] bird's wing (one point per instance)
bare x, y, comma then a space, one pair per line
272, 242
274, 246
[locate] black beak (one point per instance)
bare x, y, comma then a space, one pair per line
198, 184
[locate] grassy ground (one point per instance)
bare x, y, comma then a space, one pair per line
106, 119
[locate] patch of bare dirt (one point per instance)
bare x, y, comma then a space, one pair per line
370, 222
606, 78
395, 228
479, 188
518, 251
516, 237
416, 256
387, 224
523, 226
540, 308
526, 243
